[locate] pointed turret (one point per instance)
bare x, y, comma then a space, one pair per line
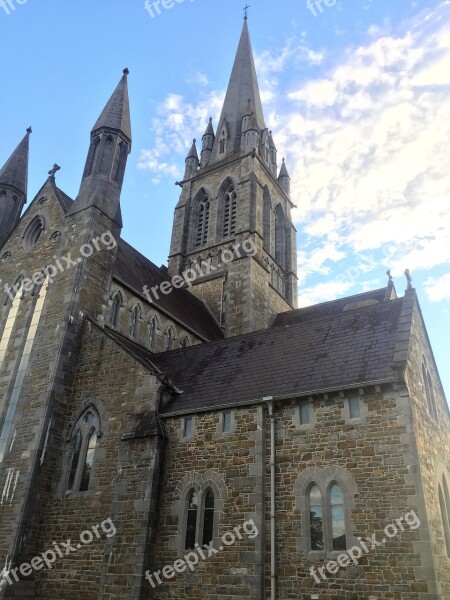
13, 187
250, 130
284, 180
192, 162
272, 155
107, 158
207, 143
242, 90
116, 114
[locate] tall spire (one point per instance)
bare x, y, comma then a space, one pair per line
242, 90
107, 157
13, 187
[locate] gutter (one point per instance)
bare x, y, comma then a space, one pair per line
257, 401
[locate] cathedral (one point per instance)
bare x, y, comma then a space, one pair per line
185, 431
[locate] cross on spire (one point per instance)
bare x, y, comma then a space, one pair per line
53, 171
246, 7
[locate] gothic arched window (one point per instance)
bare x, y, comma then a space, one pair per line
82, 454
337, 518
200, 518
267, 219
105, 165
185, 342
22, 368
199, 507
152, 332
201, 230
135, 316
170, 336
115, 309
445, 520
280, 236
191, 522
121, 161
93, 151
229, 212
429, 392
325, 498
432, 398
10, 321
316, 518
33, 232
208, 517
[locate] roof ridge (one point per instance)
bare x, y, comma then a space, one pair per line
378, 290
272, 328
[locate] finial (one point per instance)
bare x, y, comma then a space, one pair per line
194, 141
283, 159
126, 72
210, 119
408, 279
53, 171
246, 7
29, 130
388, 273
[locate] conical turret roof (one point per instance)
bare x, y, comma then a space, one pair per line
14, 172
116, 114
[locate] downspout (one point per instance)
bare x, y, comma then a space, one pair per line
222, 301
273, 581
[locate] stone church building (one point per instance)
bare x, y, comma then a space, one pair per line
168, 436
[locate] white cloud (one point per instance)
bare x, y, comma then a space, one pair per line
173, 127
367, 146
438, 289
198, 78
322, 292
315, 261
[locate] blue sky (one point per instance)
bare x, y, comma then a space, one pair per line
357, 97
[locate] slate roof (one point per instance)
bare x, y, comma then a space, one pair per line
65, 201
315, 349
135, 271
329, 308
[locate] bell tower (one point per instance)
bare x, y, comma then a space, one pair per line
234, 212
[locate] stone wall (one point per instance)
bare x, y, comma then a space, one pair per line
433, 443
123, 483
29, 421
374, 456
147, 312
